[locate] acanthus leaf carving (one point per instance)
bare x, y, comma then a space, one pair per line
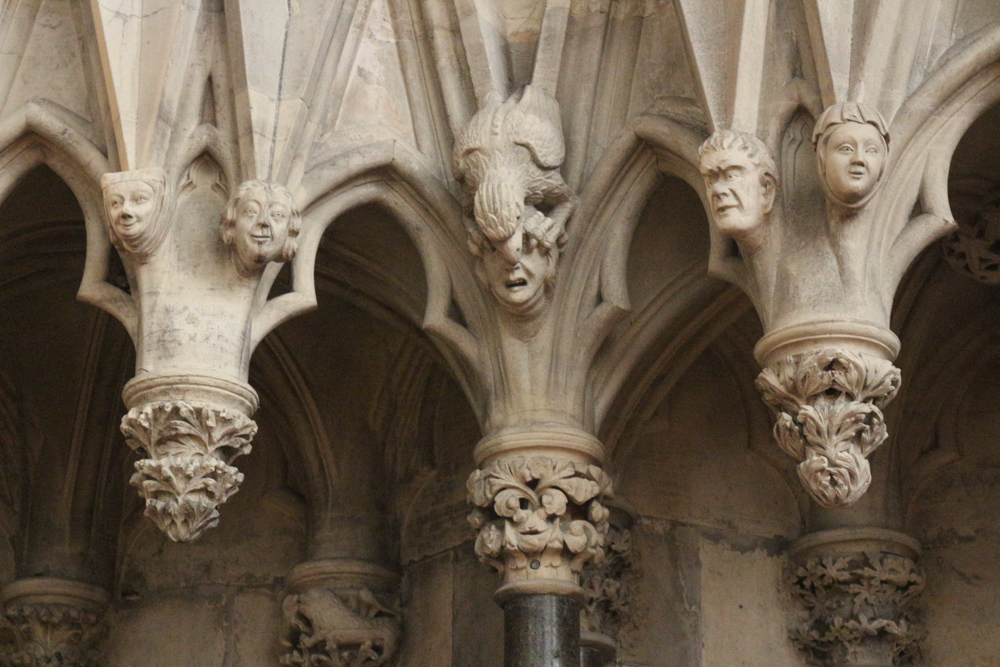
50, 621
859, 608
539, 517
340, 628
974, 248
40, 635
828, 417
187, 473
610, 589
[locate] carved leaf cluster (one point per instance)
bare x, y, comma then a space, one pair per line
974, 248
187, 475
610, 589
856, 602
540, 509
346, 628
828, 415
46, 635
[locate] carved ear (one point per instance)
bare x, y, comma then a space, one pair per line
770, 191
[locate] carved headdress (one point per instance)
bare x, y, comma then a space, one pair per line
834, 116
141, 245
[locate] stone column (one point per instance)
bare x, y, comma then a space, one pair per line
195, 259
820, 256
341, 612
51, 621
539, 496
858, 586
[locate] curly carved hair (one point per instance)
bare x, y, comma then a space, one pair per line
227, 230
749, 145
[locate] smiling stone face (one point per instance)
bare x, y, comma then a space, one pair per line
130, 205
260, 224
134, 203
853, 155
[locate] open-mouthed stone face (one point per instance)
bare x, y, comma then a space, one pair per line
518, 284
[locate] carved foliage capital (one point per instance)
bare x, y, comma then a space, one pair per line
974, 248
829, 418
610, 588
48, 621
340, 628
859, 608
539, 517
187, 473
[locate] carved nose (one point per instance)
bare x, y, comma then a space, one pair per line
511, 248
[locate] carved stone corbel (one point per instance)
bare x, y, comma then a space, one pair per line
858, 586
194, 263
827, 405
822, 277
189, 447
507, 160
539, 512
50, 621
342, 613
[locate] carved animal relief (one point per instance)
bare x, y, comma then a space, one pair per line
187, 473
508, 160
348, 628
539, 517
828, 408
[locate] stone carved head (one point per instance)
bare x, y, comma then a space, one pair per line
851, 142
741, 180
261, 224
137, 207
520, 271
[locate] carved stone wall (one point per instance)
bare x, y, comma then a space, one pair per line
317, 279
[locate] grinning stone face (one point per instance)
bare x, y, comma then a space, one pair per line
130, 204
261, 228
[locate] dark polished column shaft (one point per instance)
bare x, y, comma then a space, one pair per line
541, 631
591, 657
